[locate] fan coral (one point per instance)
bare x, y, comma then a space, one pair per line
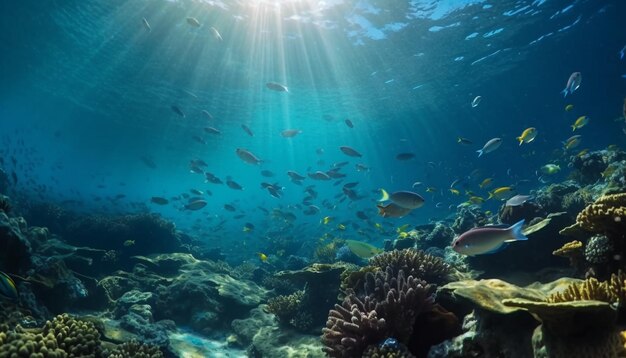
611, 291
414, 263
607, 215
136, 350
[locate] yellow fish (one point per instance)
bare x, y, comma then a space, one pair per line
485, 183
402, 228
341, 227
501, 193
378, 226
580, 122
572, 142
527, 136
362, 249
475, 200
326, 220
262, 256
403, 235
582, 152
455, 191
569, 107
488, 213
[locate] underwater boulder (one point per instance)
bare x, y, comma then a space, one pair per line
15, 249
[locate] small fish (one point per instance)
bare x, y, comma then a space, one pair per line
247, 156
455, 191
177, 110
262, 257
501, 193
319, 175
277, 87
229, 207
212, 130
247, 130
129, 243
290, 133
159, 200
295, 176
582, 153
477, 200
392, 210
351, 152
463, 141
349, 123
405, 199
196, 205
622, 52
431, 189
193, 22
490, 146
8, 289
550, 169
233, 185
580, 122
572, 142
573, 83
569, 107
527, 136
216, 34
361, 167
248, 227
517, 200
476, 101
487, 239
146, 25
405, 156
485, 183
326, 219
196, 192
207, 114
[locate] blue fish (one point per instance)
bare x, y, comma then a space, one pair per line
622, 52
8, 289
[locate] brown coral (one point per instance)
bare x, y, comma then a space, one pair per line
611, 291
135, 349
572, 248
607, 215
414, 263
77, 338
386, 352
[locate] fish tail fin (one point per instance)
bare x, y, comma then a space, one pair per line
521, 140
480, 152
385, 195
516, 232
573, 127
381, 210
564, 93
458, 139
490, 195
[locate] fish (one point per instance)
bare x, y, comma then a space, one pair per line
290, 133
216, 34
405, 199
247, 156
196, 192
501, 193
193, 22
267, 173
177, 110
487, 239
248, 227
527, 136
311, 210
361, 167
431, 189
351, 152
476, 101
464, 141
233, 185
362, 249
622, 52
277, 87
569, 107
485, 183
207, 114
295, 176
573, 83
262, 257
129, 243
572, 142
146, 25
319, 175
247, 130
196, 205
475, 200
454, 191
229, 207
405, 156
349, 123
159, 200
517, 200
210, 178
392, 210
212, 130
8, 289
580, 122
351, 185
490, 146
550, 169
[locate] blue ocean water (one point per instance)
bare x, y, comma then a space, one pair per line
86, 96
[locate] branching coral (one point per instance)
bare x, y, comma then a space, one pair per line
611, 291
573, 250
285, 307
607, 215
414, 263
134, 349
77, 338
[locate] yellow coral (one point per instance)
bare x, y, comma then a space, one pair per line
572, 248
607, 214
611, 291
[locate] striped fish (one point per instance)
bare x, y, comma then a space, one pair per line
8, 289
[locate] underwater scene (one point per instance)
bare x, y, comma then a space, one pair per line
313, 178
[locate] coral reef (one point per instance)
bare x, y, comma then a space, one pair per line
135, 349
440, 236
469, 217
292, 310
610, 291
5, 205
599, 249
387, 351
414, 263
607, 215
527, 211
573, 251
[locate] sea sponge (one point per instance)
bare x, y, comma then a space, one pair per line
134, 349
77, 338
607, 215
416, 263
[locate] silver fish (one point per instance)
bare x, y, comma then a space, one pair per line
518, 200
487, 239
277, 87
490, 146
247, 156
350, 151
573, 83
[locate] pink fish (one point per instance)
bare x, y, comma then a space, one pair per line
487, 239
